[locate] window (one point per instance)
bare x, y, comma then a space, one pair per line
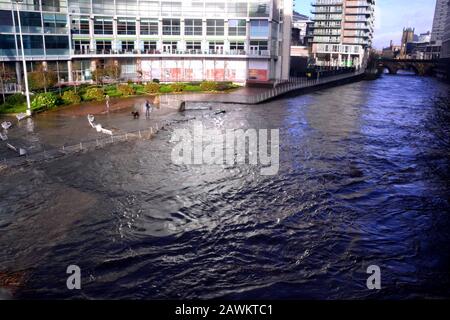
81, 46
31, 22
237, 27
126, 26
259, 8
237, 46
33, 45
6, 21
149, 27
259, 28
193, 27
55, 23
103, 26
214, 9
193, 8
125, 7
170, 46
150, 46
215, 47
57, 45
171, 27
103, 6
80, 6
256, 47
171, 8
215, 27
7, 45
80, 25
52, 5
149, 8
103, 46
127, 46
193, 46
237, 9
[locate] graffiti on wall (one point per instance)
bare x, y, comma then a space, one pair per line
193, 70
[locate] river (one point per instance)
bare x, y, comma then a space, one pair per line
363, 180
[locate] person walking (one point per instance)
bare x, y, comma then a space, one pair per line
147, 109
107, 103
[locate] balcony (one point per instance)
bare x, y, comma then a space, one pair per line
175, 52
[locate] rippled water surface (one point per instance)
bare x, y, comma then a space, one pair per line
363, 180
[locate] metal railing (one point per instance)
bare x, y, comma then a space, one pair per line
83, 146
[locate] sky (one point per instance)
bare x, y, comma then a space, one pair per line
391, 17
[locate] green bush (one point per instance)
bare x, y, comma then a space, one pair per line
155, 80
16, 99
44, 101
166, 89
192, 88
70, 97
152, 87
94, 94
177, 87
126, 89
208, 86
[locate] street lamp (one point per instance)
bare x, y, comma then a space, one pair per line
25, 72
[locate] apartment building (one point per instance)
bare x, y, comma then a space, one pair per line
343, 30
170, 40
444, 65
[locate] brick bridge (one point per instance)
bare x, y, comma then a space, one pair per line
420, 67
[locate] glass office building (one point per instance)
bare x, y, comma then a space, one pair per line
169, 40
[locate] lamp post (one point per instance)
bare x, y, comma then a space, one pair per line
24, 63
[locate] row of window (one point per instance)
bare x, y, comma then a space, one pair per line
34, 44
107, 46
192, 27
241, 8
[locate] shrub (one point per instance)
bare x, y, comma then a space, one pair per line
152, 87
208, 86
177, 87
95, 94
166, 89
155, 80
126, 89
192, 88
16, 99
70, 97
44, 101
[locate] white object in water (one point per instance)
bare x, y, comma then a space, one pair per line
21, 116
4, 137
6, 125
91, 120
20, 151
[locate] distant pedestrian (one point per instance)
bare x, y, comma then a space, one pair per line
148, 108
107, 103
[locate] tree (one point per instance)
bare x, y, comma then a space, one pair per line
42, 78
7, 75
113, 70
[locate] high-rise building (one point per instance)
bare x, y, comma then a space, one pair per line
169, 40
444, 64
440, 18
445, 53
343, 30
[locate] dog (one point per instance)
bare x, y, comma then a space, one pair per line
135, 114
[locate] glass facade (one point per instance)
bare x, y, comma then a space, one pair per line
91, 29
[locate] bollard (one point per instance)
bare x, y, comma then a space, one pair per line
81, 146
